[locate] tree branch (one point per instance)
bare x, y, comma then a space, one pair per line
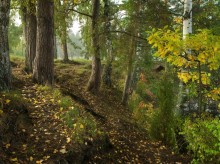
85, 14
127, 33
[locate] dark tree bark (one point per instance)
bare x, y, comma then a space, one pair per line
64, 44
106, 78
134, 27
95, 78
43, 72
31, 33
129, 76
5, 69
55, 45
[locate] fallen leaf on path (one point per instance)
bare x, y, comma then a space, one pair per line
13, 159
31, 158
63, 151
7, 146
7, 101
68, 140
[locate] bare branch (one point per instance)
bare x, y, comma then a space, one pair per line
79, 12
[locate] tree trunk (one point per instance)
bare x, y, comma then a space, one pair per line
5, 69
23, 18
55, 46
43, 64
187, 29
134, 26
187, 18
129, 76
95, 78
31, 33
64, 46
106, 78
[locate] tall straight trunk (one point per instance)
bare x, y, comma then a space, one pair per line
106, 78
134, 27
31, 34
95, 78
187, 29
5, 69
43, 72
187, 18
64, 44
24, 24
55, 46
129, 76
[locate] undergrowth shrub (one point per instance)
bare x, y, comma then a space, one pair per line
203, 136
159, 122
162, 120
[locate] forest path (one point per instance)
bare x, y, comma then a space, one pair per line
44, 138
128, 142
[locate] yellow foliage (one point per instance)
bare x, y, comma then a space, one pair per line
200, 49
184, 76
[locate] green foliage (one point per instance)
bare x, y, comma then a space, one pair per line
65, 102
82, 127
203, 136
14, 37
162, 120
43, 88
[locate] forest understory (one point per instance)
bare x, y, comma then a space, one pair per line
70, 125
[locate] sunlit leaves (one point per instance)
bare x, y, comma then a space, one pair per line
198, 53
202, 47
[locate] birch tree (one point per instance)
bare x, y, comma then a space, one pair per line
187, 30
187, 18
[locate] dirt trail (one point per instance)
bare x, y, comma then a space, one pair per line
129, 144
46, 139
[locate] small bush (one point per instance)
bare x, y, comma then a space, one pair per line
203, 136
162, 120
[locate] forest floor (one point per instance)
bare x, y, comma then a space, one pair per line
33, 128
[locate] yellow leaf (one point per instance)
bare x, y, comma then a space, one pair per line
63, 151
1, 111
68, 140
31, 158
81, 126
13, 159
7, 146
55, 151
39, 162
7, 101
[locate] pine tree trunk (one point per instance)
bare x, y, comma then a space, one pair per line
55, 46
95, 78
43, 64
5, 69
23, 18
31, 33
64, 46
106, 78
134, 27
129, 76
